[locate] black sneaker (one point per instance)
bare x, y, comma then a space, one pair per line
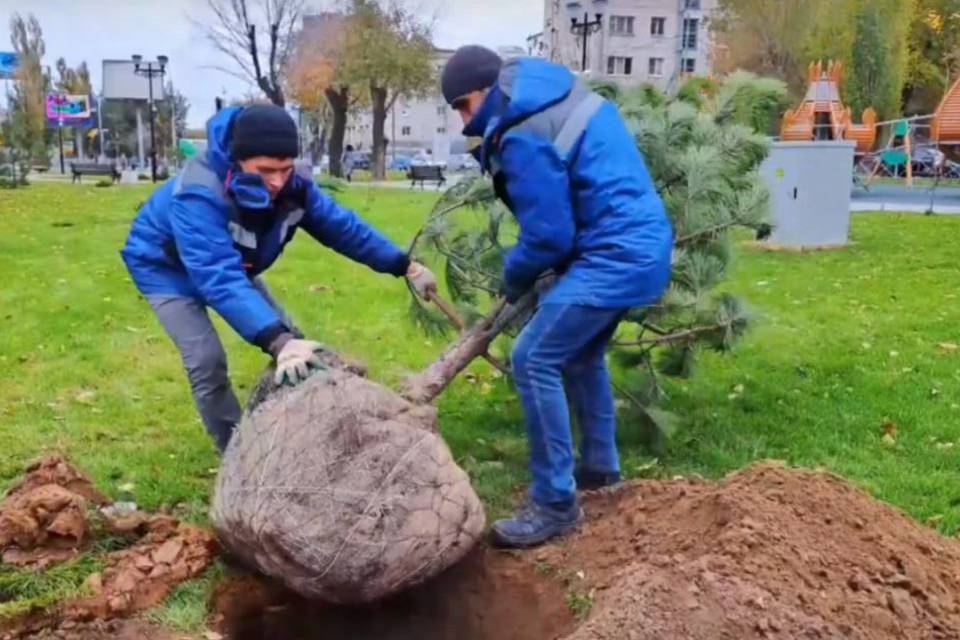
588, 480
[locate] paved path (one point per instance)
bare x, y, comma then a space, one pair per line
896, 198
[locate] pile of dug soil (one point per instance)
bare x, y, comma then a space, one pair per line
769, 552
51, 515
43, 518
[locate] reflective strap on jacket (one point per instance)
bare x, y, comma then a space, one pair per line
563, 123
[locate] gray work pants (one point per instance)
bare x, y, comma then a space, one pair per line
188, 324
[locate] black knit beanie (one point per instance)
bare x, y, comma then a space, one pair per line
471, 68
264, 130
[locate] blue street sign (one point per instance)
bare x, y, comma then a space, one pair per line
9, 61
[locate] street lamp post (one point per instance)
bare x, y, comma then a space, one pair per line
149, 70
585, 27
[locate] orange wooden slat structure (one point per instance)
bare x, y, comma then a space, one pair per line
822, 106
945, 126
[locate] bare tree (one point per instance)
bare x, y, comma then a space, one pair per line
259, 37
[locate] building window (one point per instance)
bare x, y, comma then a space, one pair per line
405, 131
656, 67
619, 66
621, 25
441, 109
692, 5
658, 26
689, 65
690, 28
441, 130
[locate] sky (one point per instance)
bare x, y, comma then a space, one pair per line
94, 30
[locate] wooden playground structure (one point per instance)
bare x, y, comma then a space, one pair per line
822, 114
945, 125
910, 144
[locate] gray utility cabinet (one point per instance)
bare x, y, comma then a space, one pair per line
810, 186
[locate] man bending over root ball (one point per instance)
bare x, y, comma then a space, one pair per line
204, 238
564, 163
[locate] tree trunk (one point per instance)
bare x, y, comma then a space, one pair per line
378, 97
425, 386
339, 104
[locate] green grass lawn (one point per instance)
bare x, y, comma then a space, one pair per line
843, 341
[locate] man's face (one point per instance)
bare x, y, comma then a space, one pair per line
275, 172
468, 105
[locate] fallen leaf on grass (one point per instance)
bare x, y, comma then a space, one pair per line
949, 347
85, 397
889, 433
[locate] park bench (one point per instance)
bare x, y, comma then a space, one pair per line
80, 169
426, 173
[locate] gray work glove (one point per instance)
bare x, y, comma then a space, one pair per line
422, 280
297, 361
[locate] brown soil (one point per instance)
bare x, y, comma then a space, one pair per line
47, 518
106, 630
43, 517
765, 553
769, 552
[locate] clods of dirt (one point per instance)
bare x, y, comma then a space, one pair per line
141, 576
43, 517
51, 515
766, 553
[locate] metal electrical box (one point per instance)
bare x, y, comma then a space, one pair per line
810, 186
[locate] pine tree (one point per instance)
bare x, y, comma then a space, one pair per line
703, 148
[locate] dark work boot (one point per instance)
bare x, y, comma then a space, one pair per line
588, 480
535, 523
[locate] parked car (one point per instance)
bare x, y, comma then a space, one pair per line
426, 159
464, 162
928, 161
361, 161
400, 163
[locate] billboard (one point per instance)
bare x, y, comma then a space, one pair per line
120, 82
9, 61
70, 108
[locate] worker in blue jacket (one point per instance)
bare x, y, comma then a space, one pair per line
564, 163
204, 238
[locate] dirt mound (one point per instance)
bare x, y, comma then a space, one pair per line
43, 517
50, 516
769, 552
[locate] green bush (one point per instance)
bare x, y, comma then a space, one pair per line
143, 177
104, 183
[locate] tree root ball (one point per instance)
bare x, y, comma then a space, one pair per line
344, 490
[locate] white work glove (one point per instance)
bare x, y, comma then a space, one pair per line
297, 360
422, 280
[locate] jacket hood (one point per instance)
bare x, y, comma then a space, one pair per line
219, 129
531, 85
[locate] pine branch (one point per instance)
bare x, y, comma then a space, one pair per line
679, 336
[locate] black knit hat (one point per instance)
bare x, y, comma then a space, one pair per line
471, 68
264, 130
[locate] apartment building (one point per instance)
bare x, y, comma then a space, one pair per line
630, 41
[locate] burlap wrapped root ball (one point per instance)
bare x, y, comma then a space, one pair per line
345, 492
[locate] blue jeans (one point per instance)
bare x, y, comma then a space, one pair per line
560, 354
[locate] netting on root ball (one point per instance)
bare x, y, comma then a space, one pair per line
344, 490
